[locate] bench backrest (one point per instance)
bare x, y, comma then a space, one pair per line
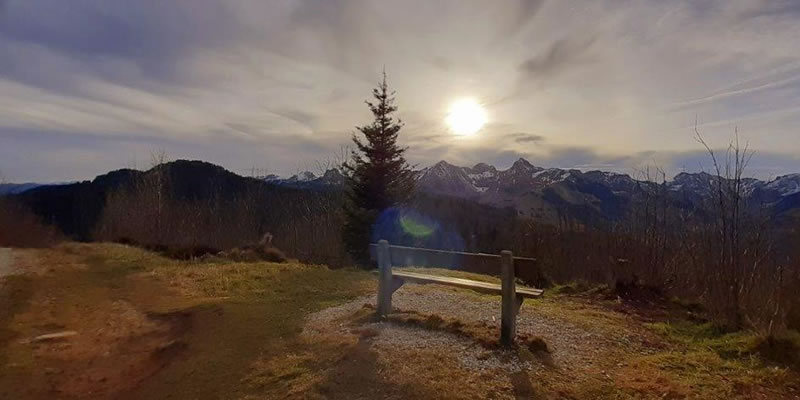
481, 263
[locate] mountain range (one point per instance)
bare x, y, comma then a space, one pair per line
552, 193
16, 188
545, 194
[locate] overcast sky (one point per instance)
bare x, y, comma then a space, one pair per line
87, 86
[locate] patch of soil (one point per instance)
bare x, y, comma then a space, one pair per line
98, 342
115, 350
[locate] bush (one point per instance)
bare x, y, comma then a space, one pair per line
255, 253
782, 349
188, 253
272, 254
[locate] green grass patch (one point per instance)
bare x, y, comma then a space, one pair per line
702, 352
577, 287
707, 336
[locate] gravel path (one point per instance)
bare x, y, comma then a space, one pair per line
574, 349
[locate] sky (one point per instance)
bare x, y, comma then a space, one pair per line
278, 86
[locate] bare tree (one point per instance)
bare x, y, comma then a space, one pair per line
740, 240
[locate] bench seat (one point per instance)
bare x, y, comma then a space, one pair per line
478, 286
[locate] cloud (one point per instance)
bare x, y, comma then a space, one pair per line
780, 79
248, 82
522, 137
772, 8
524, 12
151, 34
560, 56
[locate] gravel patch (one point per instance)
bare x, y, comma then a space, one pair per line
573, 348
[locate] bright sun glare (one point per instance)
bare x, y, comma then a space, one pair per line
466, 117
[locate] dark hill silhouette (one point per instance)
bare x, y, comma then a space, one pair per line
75, 208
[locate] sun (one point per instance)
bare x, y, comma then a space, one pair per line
465, 117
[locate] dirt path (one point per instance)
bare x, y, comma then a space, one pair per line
117, 343
6, 261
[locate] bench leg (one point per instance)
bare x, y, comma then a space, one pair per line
508, 324
517, 306
385, 281
509, 306
397, 283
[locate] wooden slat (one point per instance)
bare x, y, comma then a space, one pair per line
422, 252
484, 287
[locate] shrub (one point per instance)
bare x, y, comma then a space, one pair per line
189, 252
272, 254
782, 349
255, 253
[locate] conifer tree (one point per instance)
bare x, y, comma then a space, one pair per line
378, 176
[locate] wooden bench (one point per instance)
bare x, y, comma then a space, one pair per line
389, 281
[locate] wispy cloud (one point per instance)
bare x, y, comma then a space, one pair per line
521, 137
557, 58
783, 78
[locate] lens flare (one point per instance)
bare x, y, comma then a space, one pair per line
408, 227
415, 227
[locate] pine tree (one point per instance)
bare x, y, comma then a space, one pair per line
378, 176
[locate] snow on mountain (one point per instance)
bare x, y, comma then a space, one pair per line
548, 193
551, 175
305, 176
332, 177
445, 178
700, 181
785, 185
482, 171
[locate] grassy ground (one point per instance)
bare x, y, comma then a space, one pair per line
222, 316
149, 327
